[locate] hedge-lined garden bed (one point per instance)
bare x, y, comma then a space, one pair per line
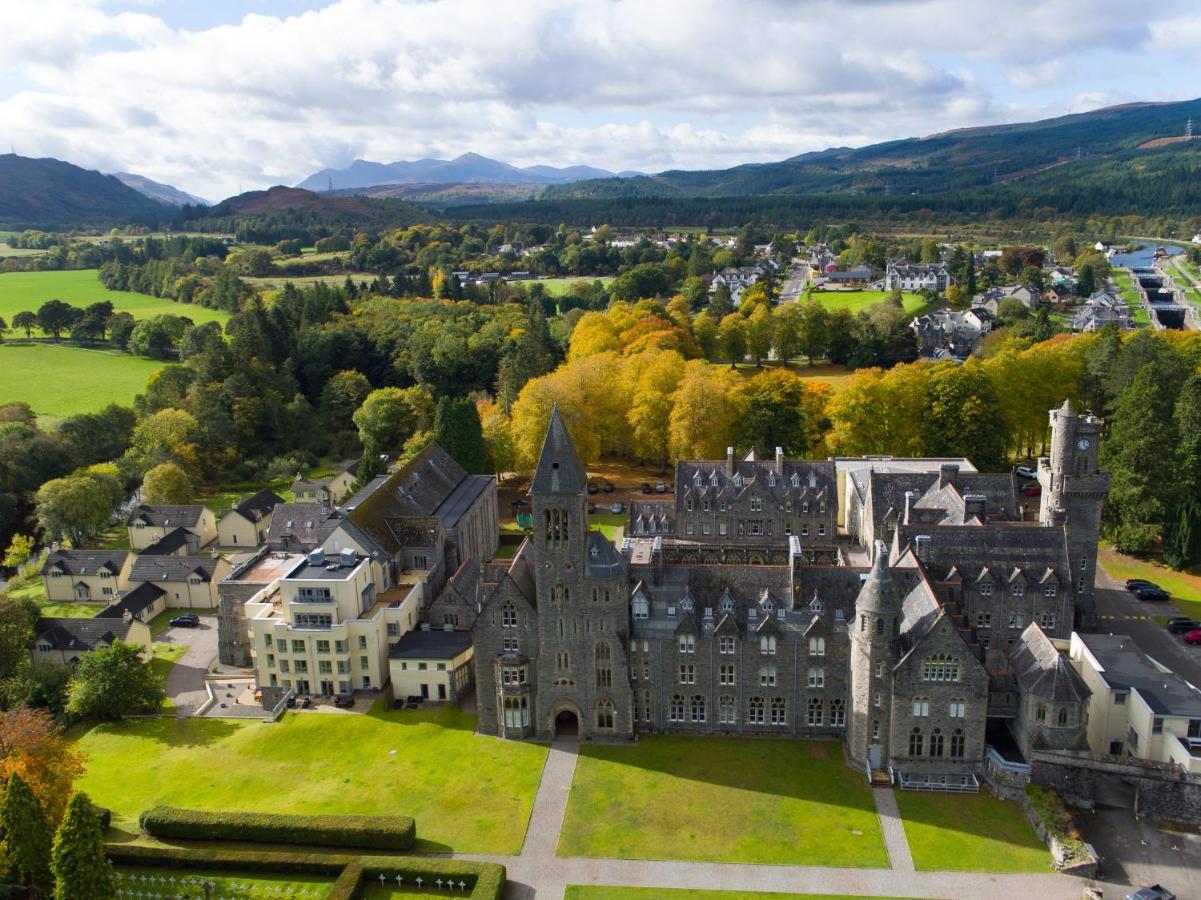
345, 832
485, 881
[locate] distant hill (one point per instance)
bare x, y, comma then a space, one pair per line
50, 193
470, 168
964, 159
306, 207
156, 190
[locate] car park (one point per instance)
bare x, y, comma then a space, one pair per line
1193, 637
187, 620
1181, 625
1030, 490
1151, 594
1026, 472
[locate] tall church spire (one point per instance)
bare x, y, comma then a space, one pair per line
559, 469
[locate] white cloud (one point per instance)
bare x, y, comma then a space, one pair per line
623, 83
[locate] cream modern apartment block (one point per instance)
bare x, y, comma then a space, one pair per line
324, 627
1138, 707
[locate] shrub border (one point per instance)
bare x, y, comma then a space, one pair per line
351, 872
343, 832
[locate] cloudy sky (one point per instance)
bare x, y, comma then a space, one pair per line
217, 96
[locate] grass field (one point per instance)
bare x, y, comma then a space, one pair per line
80, 287
62, 380
557, 287
722, 800
836, 376
1185, 587
133, 880
857, 301
275, 282
390, 762
599, 892
970, 833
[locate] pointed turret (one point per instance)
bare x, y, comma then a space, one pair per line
559, 468
878, 593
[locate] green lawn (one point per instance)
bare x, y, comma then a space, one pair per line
722, 800
219, 498
63, 380
1184, 587
226, 883
80, 287
598, 892
557, 287
385, 762
70, 610
165, 657
611, 525
857, 301
970, 833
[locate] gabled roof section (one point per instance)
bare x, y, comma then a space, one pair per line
181, 516
603, 559
80, 634
172, 568
135, 602
295, 525
258, 506
85, 562
559, 469
1043, 671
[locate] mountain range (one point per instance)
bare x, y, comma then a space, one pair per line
49, 193
156, 190
470, 168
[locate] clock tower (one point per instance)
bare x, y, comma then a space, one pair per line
1073, 489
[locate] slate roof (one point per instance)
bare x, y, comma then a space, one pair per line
603, 559
783, 479
134, 602
296, 525
184, 516
172, 568
879, 593
169, 544
79, 634
430, 644
559, 469
940, 495
85, 562
258, 506
1043, 671
1006, 549
392, 512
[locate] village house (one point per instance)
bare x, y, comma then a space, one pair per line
958, 333
1101, 309
991, 299
245, 525
188, 581
64, 642
433, 664
85, 576
148, 524
331, 489
918, 277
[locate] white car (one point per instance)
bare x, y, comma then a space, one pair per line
1026, 472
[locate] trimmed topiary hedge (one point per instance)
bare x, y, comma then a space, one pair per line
364, 832
484, 880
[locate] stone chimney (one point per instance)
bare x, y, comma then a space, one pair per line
947, 473
729, 460
779, 460
910, 496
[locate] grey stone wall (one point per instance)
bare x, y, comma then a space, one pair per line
1170, 801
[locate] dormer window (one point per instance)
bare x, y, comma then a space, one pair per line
696, 477
796, 480
815, 605
595, 552
640, 607
727, 604
686, 604
737, 480
713, 478
771, 480
769, 605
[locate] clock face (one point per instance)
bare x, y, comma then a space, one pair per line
1083, 443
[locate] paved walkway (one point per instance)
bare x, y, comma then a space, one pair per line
185, 681
895, 840
539, 873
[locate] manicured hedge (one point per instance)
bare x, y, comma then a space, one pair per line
487, 880
365, 832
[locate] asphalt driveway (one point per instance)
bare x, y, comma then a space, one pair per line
185, 682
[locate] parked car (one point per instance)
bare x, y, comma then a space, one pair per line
1030, 490
646, 488
306, 702
1151, 593
187, 620
608, 487
1026, 472
591, 508
592, 488
1154, 892
344, 700
412, 701
617, 507
1136, 583
660, 487
1181, 625
1193, 637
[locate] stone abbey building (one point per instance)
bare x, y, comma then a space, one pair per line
905, 607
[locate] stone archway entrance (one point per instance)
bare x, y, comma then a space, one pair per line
567, 724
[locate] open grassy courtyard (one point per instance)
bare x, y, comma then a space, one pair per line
63, 380
722, 800
970, 833
857, 301
600, 892
80, 287
385, 762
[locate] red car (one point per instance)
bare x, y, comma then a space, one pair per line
1030, 490
1193, 637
